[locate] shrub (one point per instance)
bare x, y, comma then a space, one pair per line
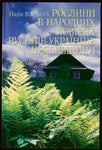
64, 71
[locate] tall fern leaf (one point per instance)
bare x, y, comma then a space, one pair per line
66, 106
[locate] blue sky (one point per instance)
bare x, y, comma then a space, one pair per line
28, 26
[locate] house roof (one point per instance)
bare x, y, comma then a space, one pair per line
74, 64
66, 58
52, 67
77, 67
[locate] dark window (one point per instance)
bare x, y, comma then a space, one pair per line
53, 73
76, 74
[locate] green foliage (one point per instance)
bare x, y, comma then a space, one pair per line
39, 117
48, 99
85, 91
64, 71
79, 125
5, 74
16, 102
26, 111
29, 142
66, 106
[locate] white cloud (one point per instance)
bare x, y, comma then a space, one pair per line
97, 30
32, 29
22, 51
88, 60
16, 50
91, 63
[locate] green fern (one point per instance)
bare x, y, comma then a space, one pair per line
25, 113
80, 127
17, 101
48, 99
66, 106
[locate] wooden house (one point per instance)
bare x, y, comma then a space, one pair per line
77, 69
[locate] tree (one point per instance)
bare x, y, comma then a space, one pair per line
64, 71
33, 66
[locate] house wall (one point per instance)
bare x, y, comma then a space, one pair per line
85, 74
48, 71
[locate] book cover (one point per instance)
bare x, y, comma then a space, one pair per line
50, 74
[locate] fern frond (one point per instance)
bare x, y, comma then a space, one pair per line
66, 106
19, 97
80, 110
